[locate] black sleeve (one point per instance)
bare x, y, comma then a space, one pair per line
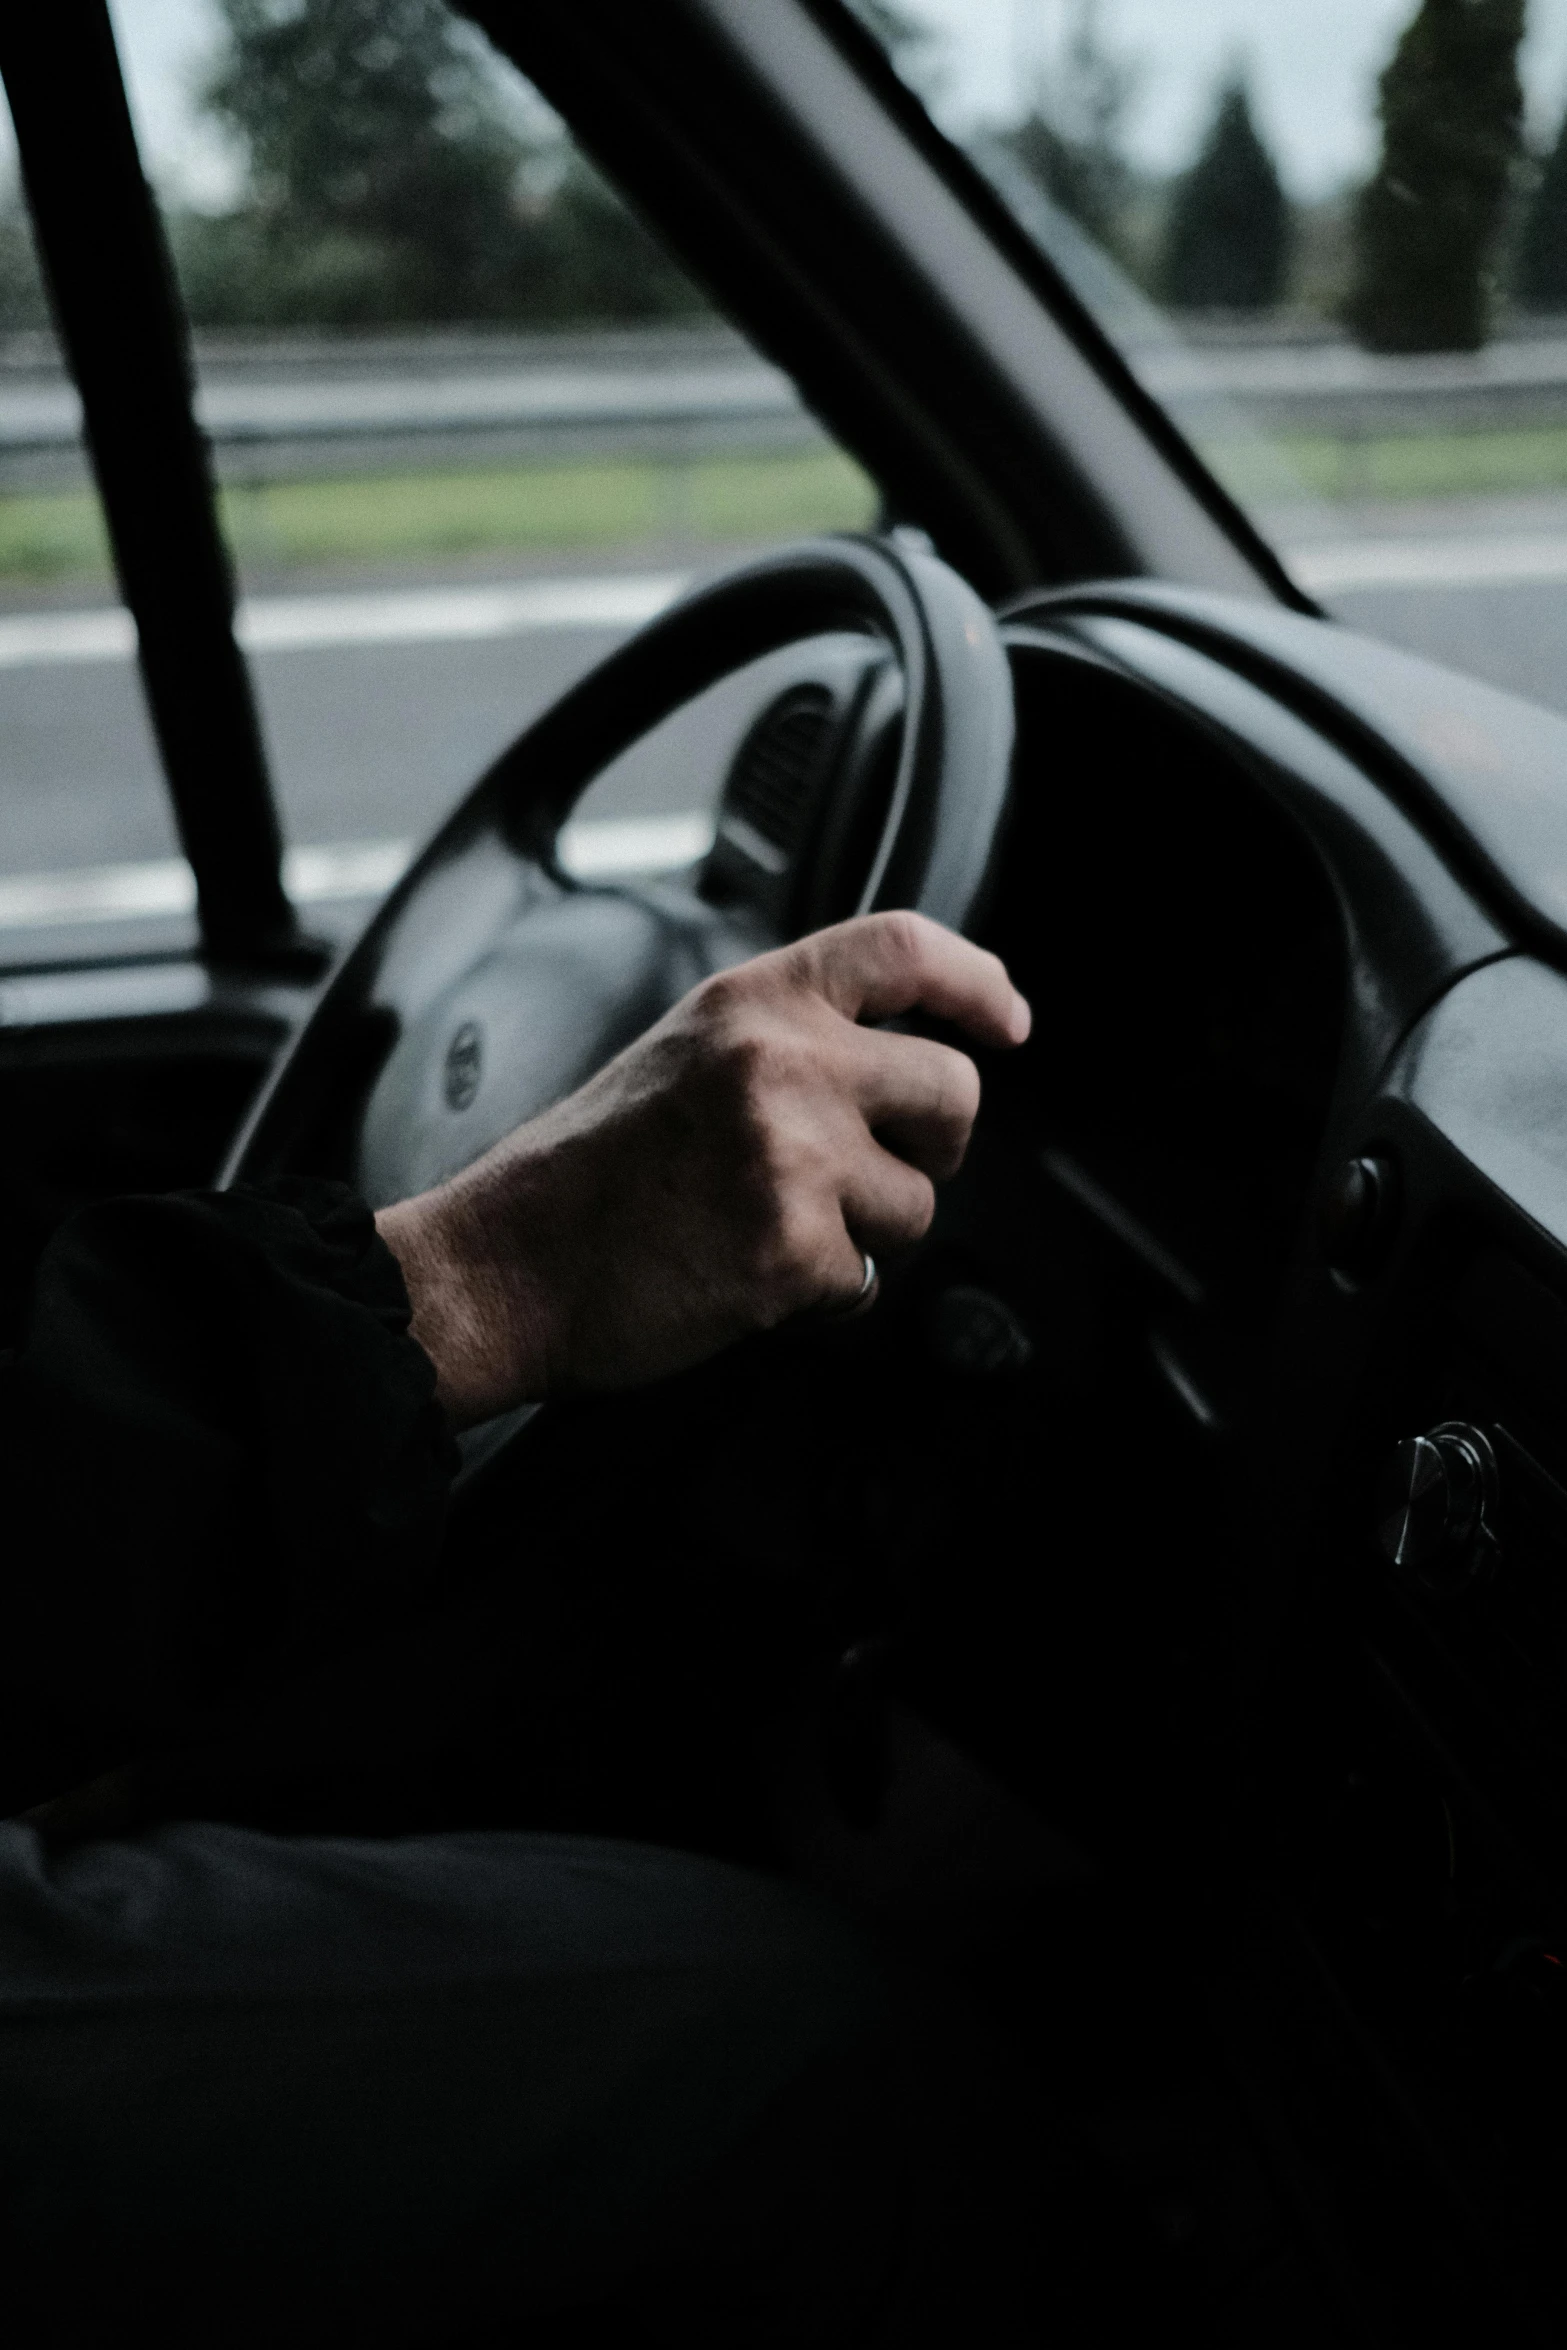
222, 1459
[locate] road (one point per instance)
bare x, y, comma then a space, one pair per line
380, 708
367, 741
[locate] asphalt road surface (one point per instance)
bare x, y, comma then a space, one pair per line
376, 724
368, 742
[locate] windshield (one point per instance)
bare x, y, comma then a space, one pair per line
1332, 241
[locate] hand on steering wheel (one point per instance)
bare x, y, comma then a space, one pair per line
738, 1162
733, 1167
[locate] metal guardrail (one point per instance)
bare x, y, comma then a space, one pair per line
293, 405
1337, 389
296, 406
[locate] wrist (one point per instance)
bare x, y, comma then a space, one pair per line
473, 1313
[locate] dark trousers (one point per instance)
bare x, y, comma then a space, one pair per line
301, 2090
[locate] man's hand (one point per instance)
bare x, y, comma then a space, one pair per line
727, 1171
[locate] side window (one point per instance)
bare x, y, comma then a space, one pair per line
89, 861
471, 425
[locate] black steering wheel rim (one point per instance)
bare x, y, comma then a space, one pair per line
936, 845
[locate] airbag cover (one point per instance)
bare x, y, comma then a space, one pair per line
560, 993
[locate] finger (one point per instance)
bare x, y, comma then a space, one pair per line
918, 1097
831, 1268
887, 1204
858, 1290
881, 965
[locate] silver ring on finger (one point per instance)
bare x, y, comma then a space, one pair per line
864, 1297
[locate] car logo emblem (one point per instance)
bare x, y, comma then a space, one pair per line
464, 1066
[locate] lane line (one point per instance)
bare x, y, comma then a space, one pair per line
277, 624
408, 616
31, 640
402, 616
1347, 566
596, 849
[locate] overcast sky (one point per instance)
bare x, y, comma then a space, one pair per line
1312, 64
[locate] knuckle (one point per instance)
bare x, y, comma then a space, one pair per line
768, 1064
716, 1002
746, 1058
907, 935
734, 1047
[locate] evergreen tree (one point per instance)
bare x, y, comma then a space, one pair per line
384, 184
1542, 246
1070, 141
1427, 225
1228, 235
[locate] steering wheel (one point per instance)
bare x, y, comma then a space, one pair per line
490, 984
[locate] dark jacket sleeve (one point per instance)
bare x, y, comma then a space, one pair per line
222, 1459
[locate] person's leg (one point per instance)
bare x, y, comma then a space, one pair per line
383, 2093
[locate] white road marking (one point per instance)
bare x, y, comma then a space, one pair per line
596, 849
279, 624
31, 640
1341, 567
402, 616
410, 616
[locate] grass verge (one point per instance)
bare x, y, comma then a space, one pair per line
424, 517
418, 518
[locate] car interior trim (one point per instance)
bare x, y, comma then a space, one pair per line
1477, 769
1413, 927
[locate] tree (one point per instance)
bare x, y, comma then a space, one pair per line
1229, 234
1428, 224
1070, 141
1542, 245
384, 183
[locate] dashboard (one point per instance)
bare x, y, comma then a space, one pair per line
1314, 1082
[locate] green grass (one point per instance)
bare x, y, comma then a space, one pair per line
423, 517
52, 537
419, 518
1402, 465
